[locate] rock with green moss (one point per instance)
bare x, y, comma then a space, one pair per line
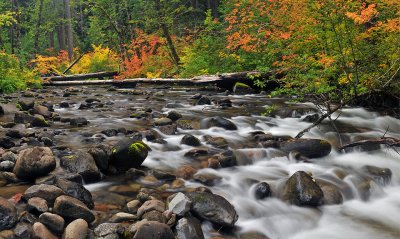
310, 148
39, 121
128, 153
241, 88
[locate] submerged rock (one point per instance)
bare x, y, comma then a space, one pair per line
190, 140
383, 176
213, 208
34, 162
302, 190
217, 121
128, 153
310, 148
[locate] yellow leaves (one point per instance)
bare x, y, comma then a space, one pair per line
325, 60
365, 15
45, 65
100, 59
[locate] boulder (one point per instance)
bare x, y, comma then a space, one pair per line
22, 118
101, 155
174, 115
110, 132
8, 214
204, 101
75, 190
332, 194
7, 166
217, 121
382, 176
310, 148
128, 153
79, 122
133, 206
77, 229
188, 228
39, 121
53, 222
162, 121
241, 88
151, 230
190, 140
25, 104
262, 190
213, 208
47, 192
40, 231
83, 163
34, 162
301, 189
180, 204
71, 208
42, 110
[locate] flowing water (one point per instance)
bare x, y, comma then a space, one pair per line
371, 213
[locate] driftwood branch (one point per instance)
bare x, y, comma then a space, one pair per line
81, 76
388, 141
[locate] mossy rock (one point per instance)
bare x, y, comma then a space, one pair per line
242, 88
128, 153
310, 148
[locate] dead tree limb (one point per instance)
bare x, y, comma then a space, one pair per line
388, 141
73, 63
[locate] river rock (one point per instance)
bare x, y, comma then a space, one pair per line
75, 190
8, 214
128, 153
37, 205
262, 190
40, 231
79, 122
6, 142
101, 155
25, 104
151, 230
382, 176
53, 222
204, 101
217, 121
213, 208
2, 111
180, 204
302, 190
123, 217
332, 194
162, 121
22, 118
241, 88
151, 205
133, 206
186, 172
174, 115
190, 140
34, 162
39, 121
218, 142
310, 148
8, 156
7, 166
189, 228
42, 110
23, 230
109, 231
64, 104
77, 229
83, 163
47, 192
71, 208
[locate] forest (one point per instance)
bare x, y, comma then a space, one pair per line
336, 48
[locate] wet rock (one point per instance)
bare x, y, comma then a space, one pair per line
2, 112
196, 96
83, 163
151, 230
224, 103
73, 177
9, 156
180, 204
45, 191
186, 172
185, 124
34, 162
190, 140
151, 205
101, 155
217, 121
37, 205
174, 115
6, 142
6, 166
154, 216
204, 101
76, 190
262, 190
26, 104
134, 173
71, 208
188, 228
77, 229
207, 178
128, 153
213, 208
163, 175
15, 133
23, 231
79, 122
110, 132
39, 121
122, 217
227, 159
42, 110
302, 190
241, 88
109, 231
168, 129
382, 176
40, 231
218, 142
8, 214
310, 148
332, 194
53, 222
22, 118
162, 121
133, 206
64, 104
311, 118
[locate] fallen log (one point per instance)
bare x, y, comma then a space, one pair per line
388, 141
98, 75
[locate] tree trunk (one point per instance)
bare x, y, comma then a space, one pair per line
61, 36
38, 23
51, 39
164, 28
70, 42
12, 29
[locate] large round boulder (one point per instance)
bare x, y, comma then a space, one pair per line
34, 162
128, 153
310, 148
302, 190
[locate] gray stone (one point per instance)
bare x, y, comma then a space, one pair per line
180, 204
47, 192
151, 230
37, 205
53, 222
162, 121
77, 229
190, 140
302, 190
151, 205
75, 190
71, 208
83, 163
213, 208
8, 214
109, 231
189, 228
133, 206
34, 162
383, 176
7, 166
78, 122
262, 190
